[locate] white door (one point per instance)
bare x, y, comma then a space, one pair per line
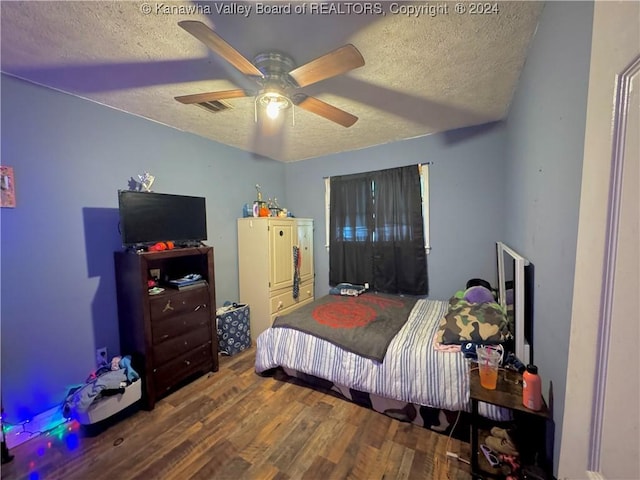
600, 432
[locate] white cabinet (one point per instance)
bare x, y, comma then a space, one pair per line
267, 268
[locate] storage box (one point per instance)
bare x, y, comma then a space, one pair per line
105, 407
234, 334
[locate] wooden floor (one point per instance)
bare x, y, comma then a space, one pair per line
235, 424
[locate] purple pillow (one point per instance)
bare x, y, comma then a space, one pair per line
478, 294
509, 296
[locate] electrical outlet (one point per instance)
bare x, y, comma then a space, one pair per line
101, 356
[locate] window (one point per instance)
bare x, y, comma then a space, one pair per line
423, 170
376, 229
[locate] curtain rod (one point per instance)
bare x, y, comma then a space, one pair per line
423, 163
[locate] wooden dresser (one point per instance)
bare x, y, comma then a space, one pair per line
171, 336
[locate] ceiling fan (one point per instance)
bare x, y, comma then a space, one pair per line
277, 77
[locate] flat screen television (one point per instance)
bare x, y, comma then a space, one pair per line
148, 217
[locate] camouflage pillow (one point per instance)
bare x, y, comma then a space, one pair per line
473, 322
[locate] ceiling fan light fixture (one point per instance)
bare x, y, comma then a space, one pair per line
273, 102
273, 110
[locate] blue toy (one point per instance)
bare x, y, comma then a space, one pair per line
125, 362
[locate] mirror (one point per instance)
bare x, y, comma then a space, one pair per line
515, 296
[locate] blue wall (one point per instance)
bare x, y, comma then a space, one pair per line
466, 191
70, 157
544, 152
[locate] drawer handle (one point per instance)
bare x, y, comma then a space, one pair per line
167, 307
280, 305
187, 363
199, 307
165, 336
186, 343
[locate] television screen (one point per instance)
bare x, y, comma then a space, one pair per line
148, 217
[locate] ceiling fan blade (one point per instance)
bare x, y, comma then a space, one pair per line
216, 43
329, 65
211, 96
314, 105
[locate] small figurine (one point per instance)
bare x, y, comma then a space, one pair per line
146, 180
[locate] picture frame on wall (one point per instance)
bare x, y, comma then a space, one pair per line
7, 187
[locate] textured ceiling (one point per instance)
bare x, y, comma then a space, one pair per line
423, 73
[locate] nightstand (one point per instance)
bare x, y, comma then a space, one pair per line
536, 425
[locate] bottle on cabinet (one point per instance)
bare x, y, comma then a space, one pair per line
260, 208
531, 388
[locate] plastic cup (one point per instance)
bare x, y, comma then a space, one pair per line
488, 363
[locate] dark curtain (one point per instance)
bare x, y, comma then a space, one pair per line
376, 231
351, 226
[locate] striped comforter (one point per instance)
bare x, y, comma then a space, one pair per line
412, 370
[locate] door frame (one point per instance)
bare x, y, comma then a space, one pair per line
614, 60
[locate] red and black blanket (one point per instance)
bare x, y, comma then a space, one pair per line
364, 325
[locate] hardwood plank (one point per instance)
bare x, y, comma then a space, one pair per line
320, 468
221, 453
313, 448
284, 456
395, 459
376, 432
266, 472
366, 458
404, 468
259, 450
147, 450
344, 437
235, 424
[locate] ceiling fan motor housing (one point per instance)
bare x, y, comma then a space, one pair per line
276, 67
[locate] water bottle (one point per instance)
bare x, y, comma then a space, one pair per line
531, 388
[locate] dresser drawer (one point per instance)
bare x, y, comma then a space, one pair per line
285, 300
173, 372
174, 347
169, 328
306, 292
178, 303
297, 305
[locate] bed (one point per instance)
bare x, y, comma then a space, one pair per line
412, 380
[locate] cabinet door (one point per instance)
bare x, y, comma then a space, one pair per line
282, 239
305, 241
